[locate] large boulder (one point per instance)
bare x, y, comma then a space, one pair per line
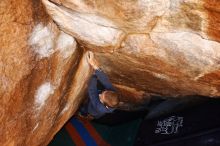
163, 47
146, 47
43, 74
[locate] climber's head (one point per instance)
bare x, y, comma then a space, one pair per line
109, 98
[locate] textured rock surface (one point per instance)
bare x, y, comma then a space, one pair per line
147, 47
159, 47
43, 74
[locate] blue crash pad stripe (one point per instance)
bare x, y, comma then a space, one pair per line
83, 132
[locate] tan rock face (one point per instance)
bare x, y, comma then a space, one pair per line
167, 48
147, 47
43, 74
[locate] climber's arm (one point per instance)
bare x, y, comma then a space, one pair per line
93, 92
102, 77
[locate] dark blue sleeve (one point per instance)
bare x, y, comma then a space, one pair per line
93, 92
95, 107
102, 77
92, 88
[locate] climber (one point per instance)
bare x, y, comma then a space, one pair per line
103, 97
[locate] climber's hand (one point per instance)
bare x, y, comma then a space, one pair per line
92, 61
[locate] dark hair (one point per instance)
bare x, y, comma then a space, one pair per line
111, 98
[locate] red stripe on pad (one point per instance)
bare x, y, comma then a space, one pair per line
74, 135
93, 133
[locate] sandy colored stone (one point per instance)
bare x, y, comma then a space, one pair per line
170, 47
43, 75
146, 47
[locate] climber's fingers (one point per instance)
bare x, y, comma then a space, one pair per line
91, 60
90, 56
89, 52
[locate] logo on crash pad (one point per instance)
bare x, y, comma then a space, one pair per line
169, 125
